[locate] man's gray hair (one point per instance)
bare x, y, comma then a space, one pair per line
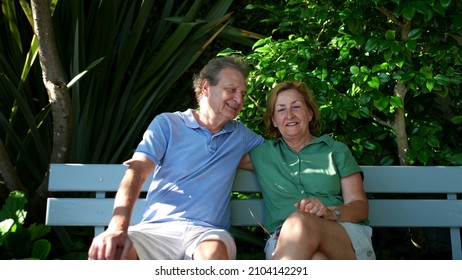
212, 69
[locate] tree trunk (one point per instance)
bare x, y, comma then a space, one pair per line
399, 125
418, 237
56, 86
8, 172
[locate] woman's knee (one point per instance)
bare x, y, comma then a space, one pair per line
318, 255
301, 221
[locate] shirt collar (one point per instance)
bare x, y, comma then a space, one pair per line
191, 121
326, 139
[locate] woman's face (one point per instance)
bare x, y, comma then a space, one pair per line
291, 114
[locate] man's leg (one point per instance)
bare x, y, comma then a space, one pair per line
210, 244
132, 255
211, 250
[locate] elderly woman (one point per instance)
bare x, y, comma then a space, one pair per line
315, 205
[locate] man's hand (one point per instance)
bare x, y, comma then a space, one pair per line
110, 245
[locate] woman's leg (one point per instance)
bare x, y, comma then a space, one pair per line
305, 236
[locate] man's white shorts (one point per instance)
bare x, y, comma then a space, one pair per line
175, 240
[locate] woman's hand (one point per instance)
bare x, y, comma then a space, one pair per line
316, 207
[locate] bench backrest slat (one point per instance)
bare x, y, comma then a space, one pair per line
98, 212
87, 177
412, 179
86, 211
378, 179
382, 213
415, 213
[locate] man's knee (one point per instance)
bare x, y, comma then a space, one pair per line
211, 250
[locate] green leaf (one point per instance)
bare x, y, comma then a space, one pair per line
409, 12
456, 80
323, 73
408, 75
365, 112
438, 8
5, 227
354, 69
387, 54
18, 244
261, 42
411, 154
399, 61
281, 74
227, 52
381, 103
418, 142
396, 102
354, 25
445, 3
369, 145
379, 67
442, 79
374, 83
395, 47
427, 71
365, 69
80, 75
38, 231
371, 44
411, 45
390, 35
425, 10
423, 157
41, 249
430, 84
457, 120
33, 51
387, 160
414, 34
264, 49
32, 123
14, 207
9, 13
384, 78
433, 141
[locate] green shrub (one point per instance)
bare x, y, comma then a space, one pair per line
18, 241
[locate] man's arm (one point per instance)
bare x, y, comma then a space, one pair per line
140, 168
114, 240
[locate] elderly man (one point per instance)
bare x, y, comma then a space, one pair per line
193, 156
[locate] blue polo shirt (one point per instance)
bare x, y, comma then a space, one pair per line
194, 170
287, 177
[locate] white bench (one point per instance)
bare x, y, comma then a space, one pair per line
443, 182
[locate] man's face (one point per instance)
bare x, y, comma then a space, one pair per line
226, 98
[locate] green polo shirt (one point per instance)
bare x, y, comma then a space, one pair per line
287, 177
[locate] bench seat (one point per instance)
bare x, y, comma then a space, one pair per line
399, 196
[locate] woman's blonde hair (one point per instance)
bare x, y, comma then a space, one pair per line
308, 97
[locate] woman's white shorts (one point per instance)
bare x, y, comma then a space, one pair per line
360, 236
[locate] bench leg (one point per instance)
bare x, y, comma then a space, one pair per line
456, 245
